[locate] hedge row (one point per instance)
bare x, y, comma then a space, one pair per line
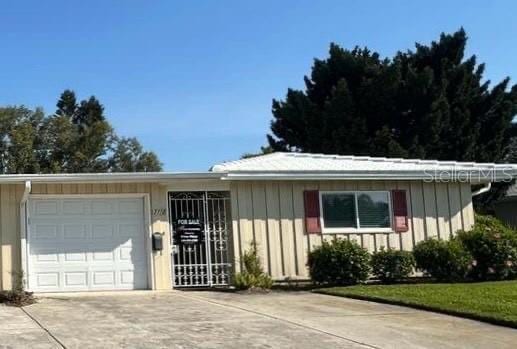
487, 252
343, 262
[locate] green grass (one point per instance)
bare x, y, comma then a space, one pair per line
494, 302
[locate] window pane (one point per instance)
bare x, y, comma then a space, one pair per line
339, 210
374, 210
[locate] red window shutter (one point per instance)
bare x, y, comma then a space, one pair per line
312, 211
400, 219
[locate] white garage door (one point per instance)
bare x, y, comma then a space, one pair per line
78, 244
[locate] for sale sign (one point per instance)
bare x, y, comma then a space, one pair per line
189, 231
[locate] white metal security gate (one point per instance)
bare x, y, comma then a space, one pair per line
200, 259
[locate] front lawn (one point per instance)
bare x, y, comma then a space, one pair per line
494, 302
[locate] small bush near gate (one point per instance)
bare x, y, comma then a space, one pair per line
392, 265
340, 262
443, 260
252, 276
493, 247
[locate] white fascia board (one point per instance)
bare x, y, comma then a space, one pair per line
470, 176
158, 177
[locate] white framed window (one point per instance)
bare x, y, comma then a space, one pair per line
355, 211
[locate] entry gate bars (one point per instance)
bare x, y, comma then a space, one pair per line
200, 228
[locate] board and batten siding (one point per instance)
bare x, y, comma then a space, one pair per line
10, 243
271, 213
10, 240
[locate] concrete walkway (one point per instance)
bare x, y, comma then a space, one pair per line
225, 320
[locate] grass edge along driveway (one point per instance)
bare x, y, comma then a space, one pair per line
493, 302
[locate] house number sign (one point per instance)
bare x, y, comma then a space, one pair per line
158, 212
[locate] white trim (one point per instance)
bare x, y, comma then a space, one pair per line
483, 190
171, 243
23, 231
474, 176
88, 196
355, 230
196, 184
169, 232
119, 177
151, 280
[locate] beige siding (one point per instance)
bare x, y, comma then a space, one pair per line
10, 240
272, 214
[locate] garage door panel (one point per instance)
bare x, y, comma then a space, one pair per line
75, 231
103, 207
127, 277
44, 231
130, 206
45, 208
102, 231
47, 280
103, 278
46, 255
74, 256
87, 244
74, 207
130, 231
125, 253
103, 256
76, 279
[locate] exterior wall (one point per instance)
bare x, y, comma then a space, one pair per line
272, 215
268, 212
10, 227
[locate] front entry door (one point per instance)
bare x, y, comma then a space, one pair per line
200, 227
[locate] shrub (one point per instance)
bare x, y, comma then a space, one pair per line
252, 275
246, 281
493, 247
340, 262
17, 297
392, 265
443, 260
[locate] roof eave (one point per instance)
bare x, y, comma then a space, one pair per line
470, 177
147, 177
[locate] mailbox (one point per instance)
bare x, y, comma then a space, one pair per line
157, 242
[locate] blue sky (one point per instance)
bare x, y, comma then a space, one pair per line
194, 80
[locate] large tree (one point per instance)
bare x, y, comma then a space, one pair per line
91, 131
430, 103
129, 156
76, 138
20, 139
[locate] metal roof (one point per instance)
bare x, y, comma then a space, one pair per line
300, 166
308, 166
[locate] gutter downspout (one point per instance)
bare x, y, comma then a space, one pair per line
26, 192
23, 230
482, 190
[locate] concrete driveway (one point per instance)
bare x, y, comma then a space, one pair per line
225, 320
